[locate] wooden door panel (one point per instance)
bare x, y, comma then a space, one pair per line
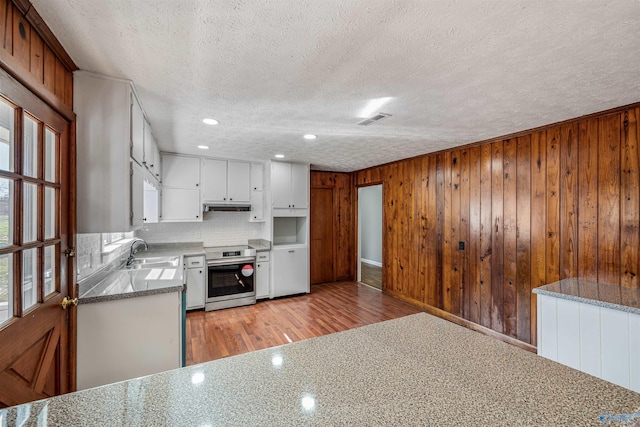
27, 368
321, 235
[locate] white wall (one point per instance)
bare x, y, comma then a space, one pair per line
370, 220
216, 229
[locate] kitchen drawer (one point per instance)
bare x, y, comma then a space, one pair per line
262, 256
194, 262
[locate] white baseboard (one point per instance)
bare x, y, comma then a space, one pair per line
368, 261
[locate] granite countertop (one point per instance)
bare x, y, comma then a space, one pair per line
601, 294
260, 245
416, 370
114, 284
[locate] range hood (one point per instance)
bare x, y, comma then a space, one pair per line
209, 207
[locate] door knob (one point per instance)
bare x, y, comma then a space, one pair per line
66, 302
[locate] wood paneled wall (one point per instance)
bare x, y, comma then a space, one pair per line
32, 55
530, 210
344, 223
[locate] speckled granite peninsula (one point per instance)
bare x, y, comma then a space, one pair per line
417, 370
605, 295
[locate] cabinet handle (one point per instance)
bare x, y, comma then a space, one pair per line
197, 185
255, 188
200, 271
230, 198
224, 198
293, 206
291, 251
197, 216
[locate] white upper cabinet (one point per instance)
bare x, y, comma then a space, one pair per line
257, 177
180, 188
238, 181
289, 185
137, 195
180, 171
214, 180
137, 130
109, 119
151, 157
225, 181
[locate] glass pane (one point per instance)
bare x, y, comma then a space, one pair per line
49, 212
6, 137
30, 147
50, 156
49, 269
6, 288
6, 211
30, 213
29, 275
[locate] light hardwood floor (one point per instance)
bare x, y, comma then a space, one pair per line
371, 275
330, 307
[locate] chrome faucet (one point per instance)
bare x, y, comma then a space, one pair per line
133, 251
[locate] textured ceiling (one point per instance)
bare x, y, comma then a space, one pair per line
271, 71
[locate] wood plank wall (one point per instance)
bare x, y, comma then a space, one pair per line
546, 205
38, 62
343, 256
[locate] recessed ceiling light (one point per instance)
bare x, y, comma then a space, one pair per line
310, 136
279, 156
210, 121
203, 147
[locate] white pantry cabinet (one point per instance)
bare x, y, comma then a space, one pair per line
109, 135
180, 188
289, 185
226, 181
290, 270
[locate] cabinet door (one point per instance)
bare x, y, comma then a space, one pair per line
137, 131
262, 280
281, 185
181, 205
151, 206
257, 206
180, 171
299, 186
257, 177
238, 181
137, 196
214, 180
290, 271
149, 143
156, 165
195, 288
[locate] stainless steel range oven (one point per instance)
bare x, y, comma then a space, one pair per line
230, 277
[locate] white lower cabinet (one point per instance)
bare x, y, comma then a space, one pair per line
600, 341
195, 272
290, 273
262, 275
128, 338
181, 205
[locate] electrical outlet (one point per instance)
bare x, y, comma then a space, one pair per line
461, 245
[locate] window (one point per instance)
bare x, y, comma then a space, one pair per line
29, 202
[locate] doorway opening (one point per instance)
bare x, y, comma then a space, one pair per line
370, 235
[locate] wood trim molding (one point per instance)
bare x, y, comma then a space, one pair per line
33, 17
17, 72
513, 135
464, 322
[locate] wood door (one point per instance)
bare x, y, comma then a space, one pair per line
36, 226
321, 235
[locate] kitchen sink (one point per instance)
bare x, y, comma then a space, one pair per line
153, 262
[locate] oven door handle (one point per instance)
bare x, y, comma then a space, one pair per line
230, 261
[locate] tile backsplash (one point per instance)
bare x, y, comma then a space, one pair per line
89, 256
216, 229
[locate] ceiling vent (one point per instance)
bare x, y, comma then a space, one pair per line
373, 119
